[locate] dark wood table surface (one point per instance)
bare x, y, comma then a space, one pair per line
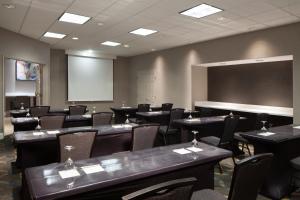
125, 172
35, 150
284, 144
23, 112
30, 123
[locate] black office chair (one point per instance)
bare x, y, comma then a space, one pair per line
82, 142
141, 108
143, 137
102, 118
257, 126
180, 189
295, 163
248, 176
77, 110
170, 133
166, 106
39, 111
226, 140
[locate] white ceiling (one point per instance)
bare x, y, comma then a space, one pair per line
35, 17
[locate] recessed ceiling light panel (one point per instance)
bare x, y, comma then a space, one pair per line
8, 5
109, 43
73, 18
54, 35
75, 38
200, 11
143, 32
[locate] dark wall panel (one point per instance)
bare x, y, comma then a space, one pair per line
260, 83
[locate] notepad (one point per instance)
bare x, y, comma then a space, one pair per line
181, 151
194, 149
125, 107
53, 132
297, 127
127, 126
86, 116
68, 173
38, 133
266, 134
92, 169
117, 126
194, 120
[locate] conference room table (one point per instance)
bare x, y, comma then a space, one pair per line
30, 123
121, 112
113, 176
23, 112
162, 117
207, 126
35, 148
283, 142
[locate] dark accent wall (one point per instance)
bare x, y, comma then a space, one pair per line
260, 83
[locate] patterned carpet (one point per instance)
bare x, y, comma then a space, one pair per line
10, 182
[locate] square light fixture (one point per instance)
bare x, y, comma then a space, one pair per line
54, 35
73, 18
112, 44
200, 11
143, 32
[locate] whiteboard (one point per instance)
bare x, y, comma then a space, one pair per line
90, 79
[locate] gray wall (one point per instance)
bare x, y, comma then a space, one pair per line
268, 84
173, 66
11, 84
13, 45
59, 83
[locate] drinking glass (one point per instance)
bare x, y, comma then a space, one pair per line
231, 113
195, 141
123, 104
264, 128
69, 164
38, 127
28, 114
127, 119
22, 106
94, 109
190, 115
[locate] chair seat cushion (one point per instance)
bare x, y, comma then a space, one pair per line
296, 163
207, 194
238, 137
163, 130
212, 140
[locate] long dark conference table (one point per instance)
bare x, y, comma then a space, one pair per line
23, 112
123, 173
35, 148
283, 142
30, 123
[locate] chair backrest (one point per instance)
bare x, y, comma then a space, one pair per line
176, 113
102, 118
39, 111
259, 118
143, 107
230, 125
143, 137
77, 110
82, 141
180, 189
52, 122
166, 106
248, 176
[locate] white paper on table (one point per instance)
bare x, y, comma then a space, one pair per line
53, 132
125, 107
66, 109
86, 116
181, 151
127, 126
92, 169
266, 134
38, 133
297, 127
194, 120
68, 173
117, 126
194, 149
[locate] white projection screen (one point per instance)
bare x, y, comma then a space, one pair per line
90, 79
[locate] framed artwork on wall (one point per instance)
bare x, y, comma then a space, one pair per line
26, 71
